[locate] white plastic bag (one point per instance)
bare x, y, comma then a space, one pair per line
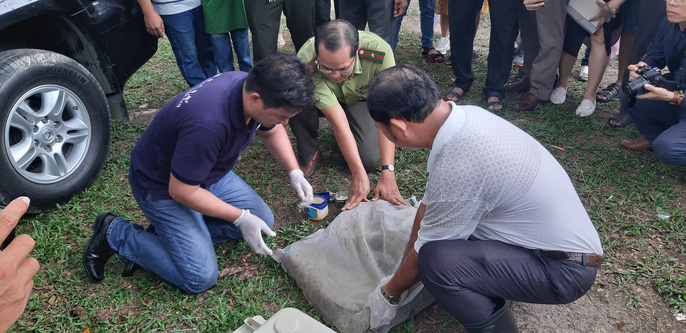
338, 267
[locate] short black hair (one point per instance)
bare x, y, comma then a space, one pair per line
335, 34
402, 92
282, 80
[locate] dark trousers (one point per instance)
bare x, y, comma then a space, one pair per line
469, 279
322, 11
462, 14
575, 35
264, 19
378, 13
305, 127
649, 17
663, 124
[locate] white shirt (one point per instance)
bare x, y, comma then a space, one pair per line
171, 7
489, 179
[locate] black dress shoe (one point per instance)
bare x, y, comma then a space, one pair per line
98, 250
131, 267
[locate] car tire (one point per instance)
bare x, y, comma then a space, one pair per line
54, 128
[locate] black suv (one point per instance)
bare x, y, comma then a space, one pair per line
63, 65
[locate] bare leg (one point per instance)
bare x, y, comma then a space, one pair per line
597, 63
445, 28
566, 63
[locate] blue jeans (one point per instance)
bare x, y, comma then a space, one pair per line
181, 250
191, 45
223, 54
426, 22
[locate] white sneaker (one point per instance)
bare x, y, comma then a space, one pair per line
443, 45
559, 95
586, 108
583, 73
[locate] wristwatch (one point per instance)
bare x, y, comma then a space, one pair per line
388, 167
392, 300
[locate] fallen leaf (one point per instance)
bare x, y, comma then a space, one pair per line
558, 148
230, 271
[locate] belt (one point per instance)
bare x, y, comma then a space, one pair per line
588, 259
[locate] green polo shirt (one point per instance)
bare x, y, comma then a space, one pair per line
375, 55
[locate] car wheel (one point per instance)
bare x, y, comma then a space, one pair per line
54, 128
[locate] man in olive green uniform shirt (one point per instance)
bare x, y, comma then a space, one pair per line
343, 61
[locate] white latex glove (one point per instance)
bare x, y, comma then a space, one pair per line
251, 228
301, 186
381, 312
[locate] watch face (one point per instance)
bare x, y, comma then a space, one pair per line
388, 167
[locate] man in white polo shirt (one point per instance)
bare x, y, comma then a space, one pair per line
500, 218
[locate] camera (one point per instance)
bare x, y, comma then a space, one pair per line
648, 75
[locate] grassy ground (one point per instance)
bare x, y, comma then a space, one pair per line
623, 192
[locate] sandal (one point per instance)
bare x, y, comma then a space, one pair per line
492, 105
452, 95
608, 93
435, 57
623, 118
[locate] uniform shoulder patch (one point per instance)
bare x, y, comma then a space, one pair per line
372, 55
312, 64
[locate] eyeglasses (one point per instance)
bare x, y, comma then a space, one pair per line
331, 71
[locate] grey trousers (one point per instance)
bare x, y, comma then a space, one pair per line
542, 37
264, 19
470, 278
378, 13
305, 127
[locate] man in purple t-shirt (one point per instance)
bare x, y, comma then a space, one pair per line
181, 176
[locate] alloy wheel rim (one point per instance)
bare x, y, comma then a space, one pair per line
47, 134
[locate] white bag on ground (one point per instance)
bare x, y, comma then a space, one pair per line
338, 267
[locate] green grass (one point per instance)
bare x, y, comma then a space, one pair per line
621, 190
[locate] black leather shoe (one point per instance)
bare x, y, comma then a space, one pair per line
98, 251
131, 267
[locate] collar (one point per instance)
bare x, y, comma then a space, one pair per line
236, 111
449, 128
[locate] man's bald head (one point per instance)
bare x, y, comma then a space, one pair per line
337, 34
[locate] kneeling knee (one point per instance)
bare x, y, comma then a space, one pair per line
200, 282
668, 153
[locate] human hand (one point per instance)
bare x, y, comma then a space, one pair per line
251, 228
381, 312
387, 189
605, 14
633, 68
358, 190
16, 269
532, 5
399, 7
301, 186
154, 24
656, 93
